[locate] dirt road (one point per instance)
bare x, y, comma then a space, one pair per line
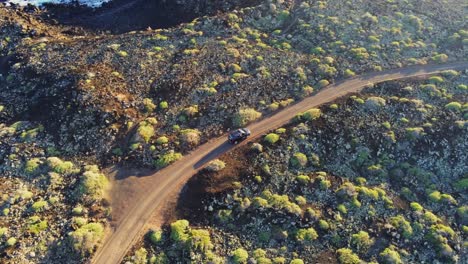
153, 189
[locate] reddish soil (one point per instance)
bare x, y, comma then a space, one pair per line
327, 256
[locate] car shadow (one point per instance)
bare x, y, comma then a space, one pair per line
223, 148
121, 172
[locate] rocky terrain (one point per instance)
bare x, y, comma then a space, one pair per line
378, 177
78, 96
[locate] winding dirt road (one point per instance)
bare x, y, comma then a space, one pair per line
155, 188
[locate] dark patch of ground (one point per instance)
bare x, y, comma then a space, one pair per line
122, 15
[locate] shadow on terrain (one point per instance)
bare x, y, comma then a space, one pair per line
221, 149
6, 62
120, 16
122, 172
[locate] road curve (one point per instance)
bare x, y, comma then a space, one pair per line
127, 230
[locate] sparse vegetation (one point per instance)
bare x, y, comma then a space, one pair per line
245, 116
377, 176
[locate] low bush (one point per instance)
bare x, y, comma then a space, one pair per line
362, 241
155, 237
93, 184
162, 140
245, 116
86, 238
311, 114
453, 106
149, 105
190, 137
180, 231
271, 138
59, 166
32, 166
390, 256
10, 242
346, 256
167, 159
299, 160
145, 131
304, 179
240, 255
39, 206
215, 165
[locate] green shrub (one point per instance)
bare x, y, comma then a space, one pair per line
240, 255
416, 207
307, 90
390, 256
191, 111
167, 159
324, 225
311, 114
299, 160
162, 140
362, 241
160, 258
245, 116
11, 242
279, 260
436, 79
271, 138
440, 58
32, 166
35, 227
334, 106
59, 166
453, 106
323, 83
79, 221
156, 237
342, 209
301, 200
77, 210
190, 137
86, 238
273, 106
375, 102
296, 261
145, 131
257, 147
149, 105
304, 179
349, 73
39, 206
323, 183
180, 231
280, 130
434, 196
414, 132
215, 165
346, 256
403, 226
140, 256
200, 240
93, 184
163, 105
308, 234
3, 231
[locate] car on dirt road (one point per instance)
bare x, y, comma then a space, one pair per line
238, 135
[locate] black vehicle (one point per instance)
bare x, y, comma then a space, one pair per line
238, 135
